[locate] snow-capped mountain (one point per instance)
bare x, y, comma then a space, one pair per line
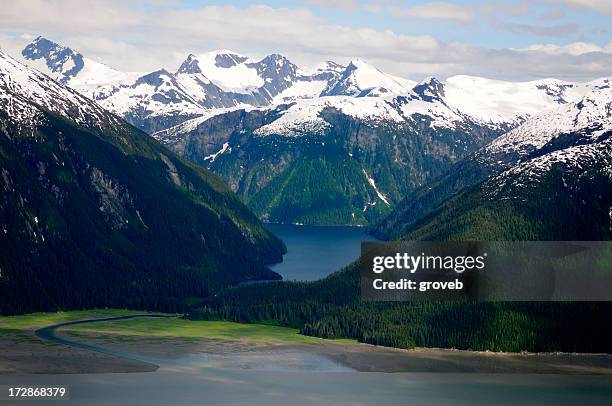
586, 119
72, 68
565, 152
574, 137
360, 79
25, 91
161, 99
225, 79
79, 184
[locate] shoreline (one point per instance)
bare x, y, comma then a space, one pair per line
30, 357
87, 350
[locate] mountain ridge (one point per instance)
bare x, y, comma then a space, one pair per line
94, 205
225, 79
544, 152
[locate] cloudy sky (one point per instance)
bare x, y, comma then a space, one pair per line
518, 40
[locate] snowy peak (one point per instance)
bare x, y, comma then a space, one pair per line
72, 68
220, 59
156, 78
277, 73
227, 59
581, 122
226, 70
24, 91
275, 67
190, 65
361, 79
430, 90
330, 66
63, 62
255, 82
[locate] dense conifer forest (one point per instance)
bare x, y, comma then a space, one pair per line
553, 208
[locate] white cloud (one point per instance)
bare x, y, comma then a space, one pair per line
437, 10
347, 5
559, 30
574, 49
598, 5
129, 36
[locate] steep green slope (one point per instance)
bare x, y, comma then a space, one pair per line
348, 172
461, 176
99, 214
546, 198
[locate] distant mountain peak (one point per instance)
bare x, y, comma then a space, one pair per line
330, 66
227, 59
62, 61
24, 86
275, 68
581, 122
190, 65
361, 79
430, 89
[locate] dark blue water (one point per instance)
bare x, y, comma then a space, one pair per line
315, 252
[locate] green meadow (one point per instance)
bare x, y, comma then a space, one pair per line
174, 327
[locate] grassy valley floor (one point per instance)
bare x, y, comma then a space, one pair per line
150, 342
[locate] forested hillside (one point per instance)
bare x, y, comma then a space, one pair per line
95, 213
340, 170
332, 308
542, 182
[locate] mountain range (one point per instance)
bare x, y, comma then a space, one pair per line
334, 145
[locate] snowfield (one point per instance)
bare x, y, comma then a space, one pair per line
213, 83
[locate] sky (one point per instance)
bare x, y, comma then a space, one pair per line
509, 40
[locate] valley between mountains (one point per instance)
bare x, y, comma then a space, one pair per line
149, 190
330, 145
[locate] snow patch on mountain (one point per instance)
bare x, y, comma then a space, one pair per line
301, 90
373, 184
590, 117
304, 116
214, 156
226, 69
21, 85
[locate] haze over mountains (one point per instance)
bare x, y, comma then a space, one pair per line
332, 145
